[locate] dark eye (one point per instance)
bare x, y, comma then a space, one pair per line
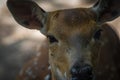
97, 34
52, 39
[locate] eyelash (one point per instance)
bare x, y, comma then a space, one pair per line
52, 39
97, 34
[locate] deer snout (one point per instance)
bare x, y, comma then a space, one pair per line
79, 72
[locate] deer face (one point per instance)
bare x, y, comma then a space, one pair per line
71, 34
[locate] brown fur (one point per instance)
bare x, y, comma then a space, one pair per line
76, 36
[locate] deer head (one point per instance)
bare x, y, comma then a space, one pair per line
72, 34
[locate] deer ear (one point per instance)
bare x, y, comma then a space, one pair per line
107, 10
27, 13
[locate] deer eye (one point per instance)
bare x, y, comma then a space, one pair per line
97, 34
52, 39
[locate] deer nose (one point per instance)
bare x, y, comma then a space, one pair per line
82, 73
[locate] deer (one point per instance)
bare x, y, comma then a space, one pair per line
82, 46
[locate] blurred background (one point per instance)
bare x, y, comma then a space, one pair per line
19, 45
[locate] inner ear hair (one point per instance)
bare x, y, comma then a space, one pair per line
106, 10
27, 13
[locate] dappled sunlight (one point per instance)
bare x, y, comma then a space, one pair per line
52, 5
21, 33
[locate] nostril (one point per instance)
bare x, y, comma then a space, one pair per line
74, 71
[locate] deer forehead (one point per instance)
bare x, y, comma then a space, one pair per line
71, 22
